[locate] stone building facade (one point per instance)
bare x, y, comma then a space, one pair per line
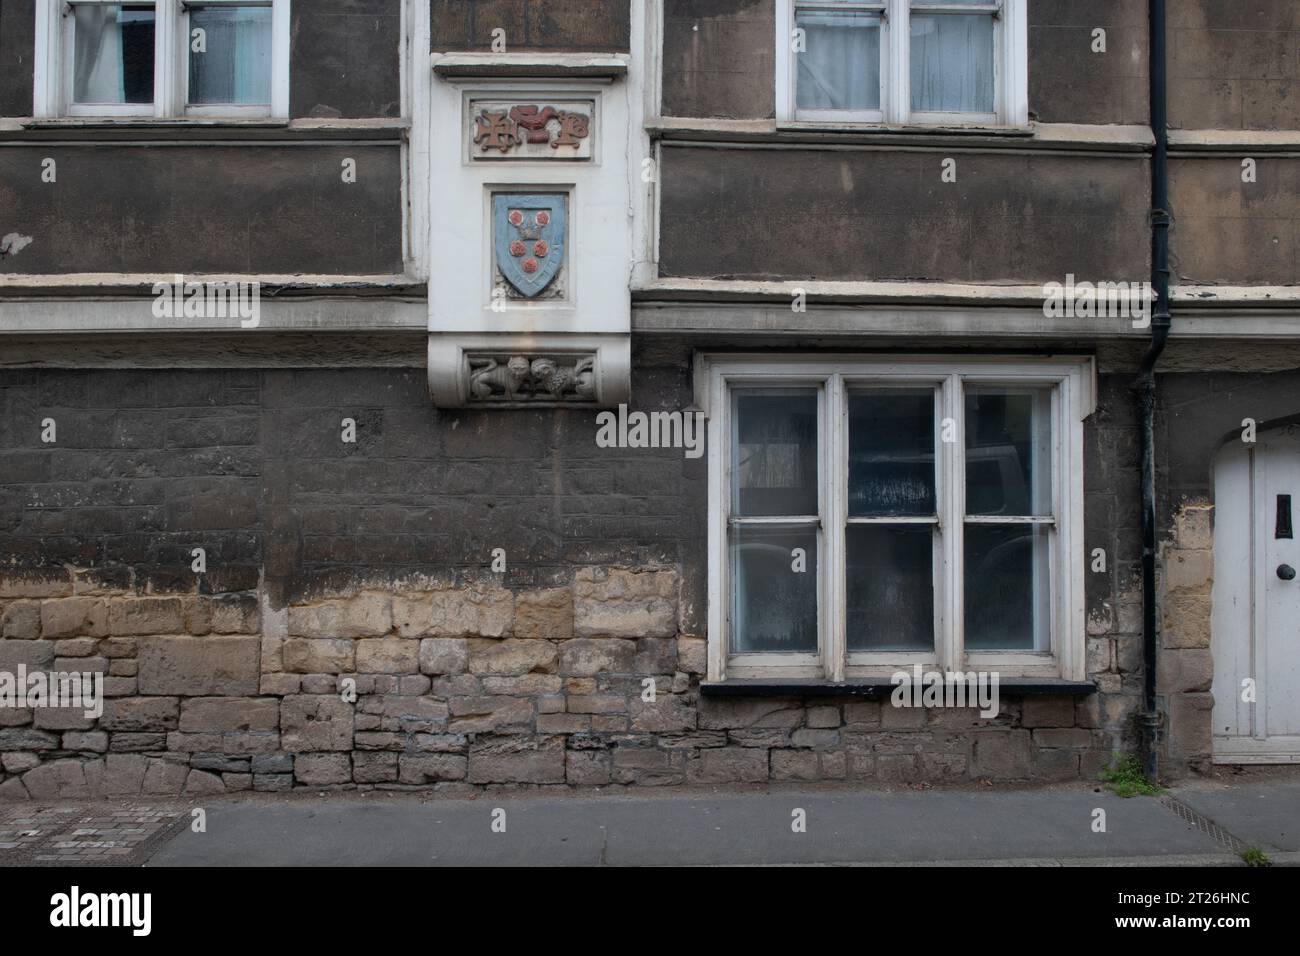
415, 571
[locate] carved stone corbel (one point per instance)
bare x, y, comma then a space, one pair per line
510, 371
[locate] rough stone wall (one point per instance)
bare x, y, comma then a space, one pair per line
1186, 667
1112, 523
1199, 413
462, 685
369, 562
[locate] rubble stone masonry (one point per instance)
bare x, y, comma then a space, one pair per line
461, 686
349, 630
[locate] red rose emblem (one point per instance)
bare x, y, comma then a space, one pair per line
530, 266
543, 218
517, 248
540, 248
516, 217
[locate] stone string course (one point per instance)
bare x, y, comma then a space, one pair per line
465, 688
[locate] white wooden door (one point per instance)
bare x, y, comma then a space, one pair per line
1256, 617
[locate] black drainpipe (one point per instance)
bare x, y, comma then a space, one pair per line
1146, 381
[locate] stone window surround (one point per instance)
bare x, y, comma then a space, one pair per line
1073, 378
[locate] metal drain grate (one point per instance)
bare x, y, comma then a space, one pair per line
1203, 823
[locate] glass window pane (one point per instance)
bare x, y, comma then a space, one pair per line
1009, 451
890, 588
952, 63
840, 69
891, 453
235, 66
112, 58
773, 603
774, 452
1008, 597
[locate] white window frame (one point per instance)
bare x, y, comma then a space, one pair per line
1010, 67
52, 91
1072, 380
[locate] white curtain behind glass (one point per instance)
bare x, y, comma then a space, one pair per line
237, 65
113, 53
952, 63
97, 70
840, 70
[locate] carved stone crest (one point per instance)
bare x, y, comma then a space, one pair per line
530, 235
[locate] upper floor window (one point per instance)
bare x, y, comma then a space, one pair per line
163, 59
939, 62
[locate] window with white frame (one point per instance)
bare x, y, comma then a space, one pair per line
937, 62
872, 513
162, 59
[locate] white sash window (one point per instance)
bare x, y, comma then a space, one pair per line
937, 62
876, 512
162, 59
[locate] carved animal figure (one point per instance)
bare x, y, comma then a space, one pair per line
550, 377
488, 378
559, 381
585, 378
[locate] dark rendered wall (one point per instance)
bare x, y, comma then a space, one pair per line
17, 53
250, 464
1203, 412
345, 58
538, 682
764, 214
719, 60
1234, 64
1230, 232
158, 201
269, 208
1068, 82
574, 25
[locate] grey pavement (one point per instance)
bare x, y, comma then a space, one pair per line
1264, 813
1040, 827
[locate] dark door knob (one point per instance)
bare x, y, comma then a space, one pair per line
1286, 572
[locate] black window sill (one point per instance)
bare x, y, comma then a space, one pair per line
880, 687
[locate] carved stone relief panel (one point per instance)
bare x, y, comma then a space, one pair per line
531, 130
530, 379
